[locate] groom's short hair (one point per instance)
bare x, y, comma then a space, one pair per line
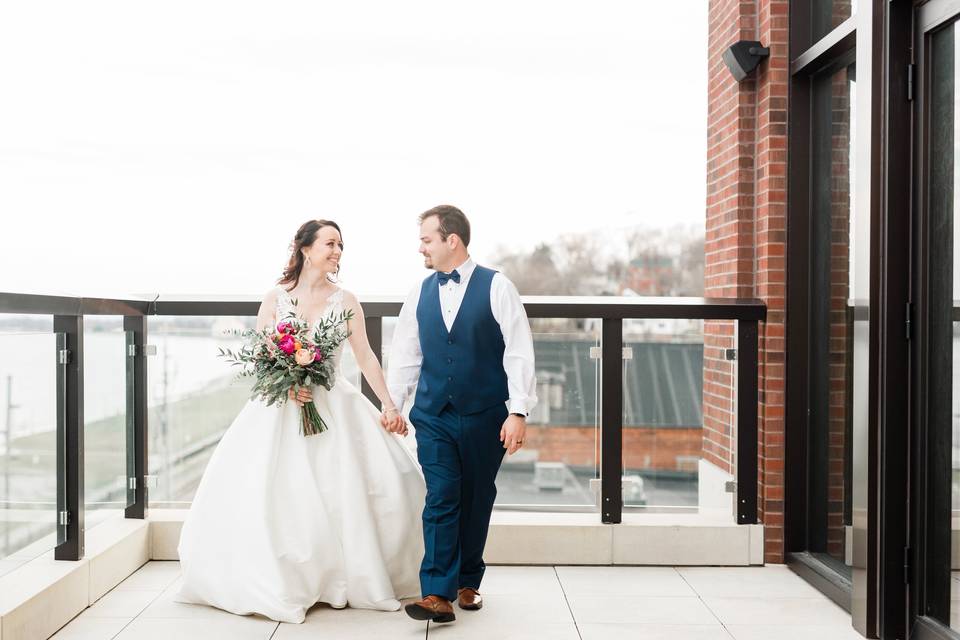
451, 220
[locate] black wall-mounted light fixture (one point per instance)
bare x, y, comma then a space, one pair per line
743, 57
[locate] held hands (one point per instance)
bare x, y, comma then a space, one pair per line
512, 433
301, 396
392, 421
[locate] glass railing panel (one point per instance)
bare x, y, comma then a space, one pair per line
193, 397
104, 412
28, 445
677, 414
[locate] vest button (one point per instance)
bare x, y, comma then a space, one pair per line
449, 377
449, 360
449, 341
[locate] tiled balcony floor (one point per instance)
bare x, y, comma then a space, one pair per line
535, 603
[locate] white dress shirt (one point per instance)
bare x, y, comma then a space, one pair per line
406, 357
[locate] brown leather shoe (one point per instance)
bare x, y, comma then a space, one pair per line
469, 598
433, 608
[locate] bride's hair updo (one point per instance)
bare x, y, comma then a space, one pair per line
306, 236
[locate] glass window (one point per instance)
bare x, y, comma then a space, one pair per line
826, 15
943, 329
838, 329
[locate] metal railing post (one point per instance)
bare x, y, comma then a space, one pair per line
70, 512
747, 445
611, 421
136, 330
374, 326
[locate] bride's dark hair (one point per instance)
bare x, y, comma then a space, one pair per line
306, 236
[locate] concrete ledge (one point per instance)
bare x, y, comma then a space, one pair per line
530, 538
41, 595
685, 545
116, 552
165, 525
548, 539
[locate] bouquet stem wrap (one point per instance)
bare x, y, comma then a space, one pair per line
311, 423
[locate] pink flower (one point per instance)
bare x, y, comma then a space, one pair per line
317, 355
303, 357
288, 345
284, 327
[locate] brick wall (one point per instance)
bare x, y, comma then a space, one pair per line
661, 449
746, 235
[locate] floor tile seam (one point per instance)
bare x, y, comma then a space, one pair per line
576, 625
706, 606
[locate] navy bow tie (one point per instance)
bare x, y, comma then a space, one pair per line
444, 277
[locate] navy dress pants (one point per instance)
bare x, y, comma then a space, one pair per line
460, 456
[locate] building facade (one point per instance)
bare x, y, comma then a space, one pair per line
831, 197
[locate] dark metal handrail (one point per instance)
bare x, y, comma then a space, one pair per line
386, 306
69, 312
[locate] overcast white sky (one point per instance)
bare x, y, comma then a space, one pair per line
175, 147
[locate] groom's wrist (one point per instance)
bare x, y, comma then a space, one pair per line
517, 406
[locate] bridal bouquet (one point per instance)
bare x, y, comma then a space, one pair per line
292, 355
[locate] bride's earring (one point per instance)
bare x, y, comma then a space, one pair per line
308, 260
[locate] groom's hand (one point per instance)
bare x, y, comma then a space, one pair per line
512, 433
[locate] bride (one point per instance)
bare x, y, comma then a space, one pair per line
281, 521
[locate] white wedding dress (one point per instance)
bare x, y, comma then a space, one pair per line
281, 521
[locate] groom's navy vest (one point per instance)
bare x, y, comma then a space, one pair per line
465, 366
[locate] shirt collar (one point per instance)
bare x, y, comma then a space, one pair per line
465, 270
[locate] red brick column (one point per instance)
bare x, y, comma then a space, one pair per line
729, 235
746, 235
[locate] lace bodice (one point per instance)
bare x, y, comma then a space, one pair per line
333, 307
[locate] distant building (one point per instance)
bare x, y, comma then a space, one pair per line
650, 275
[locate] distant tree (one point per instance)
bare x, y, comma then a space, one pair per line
535, 273
587, 264
691, 265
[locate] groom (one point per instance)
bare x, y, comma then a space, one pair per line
464, 343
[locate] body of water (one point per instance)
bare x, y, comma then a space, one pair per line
184, 364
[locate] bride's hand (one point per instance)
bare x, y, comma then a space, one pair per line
301, 396
392, 421
388, 419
